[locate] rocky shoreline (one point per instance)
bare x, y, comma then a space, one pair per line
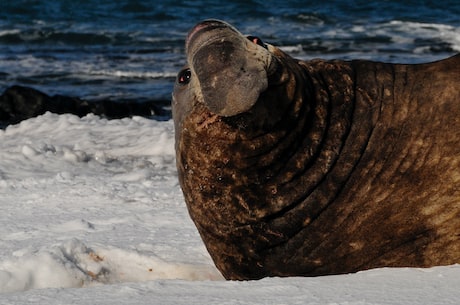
18, 103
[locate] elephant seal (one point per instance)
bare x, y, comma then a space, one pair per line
307, 168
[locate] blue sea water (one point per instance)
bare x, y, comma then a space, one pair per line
132, 49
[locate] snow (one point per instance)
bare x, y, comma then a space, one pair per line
91, 213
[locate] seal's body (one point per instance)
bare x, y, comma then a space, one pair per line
320, 167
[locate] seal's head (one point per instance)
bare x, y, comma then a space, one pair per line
226, 73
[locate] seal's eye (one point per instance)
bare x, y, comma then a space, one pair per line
184, 76
257, 41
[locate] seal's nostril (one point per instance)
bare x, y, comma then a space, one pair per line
257, 41
207, 25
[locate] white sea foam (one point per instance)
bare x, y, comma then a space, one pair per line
9, 32
392, 41
407, 31
292, 49
133, 74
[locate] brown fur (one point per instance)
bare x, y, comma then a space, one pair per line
338, 166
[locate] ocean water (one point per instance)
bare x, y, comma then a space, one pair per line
132, 49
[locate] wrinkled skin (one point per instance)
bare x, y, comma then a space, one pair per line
318, 167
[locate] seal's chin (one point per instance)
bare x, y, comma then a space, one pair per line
231, 70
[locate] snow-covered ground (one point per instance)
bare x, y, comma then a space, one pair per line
91, 213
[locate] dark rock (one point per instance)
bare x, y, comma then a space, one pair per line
19, 103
